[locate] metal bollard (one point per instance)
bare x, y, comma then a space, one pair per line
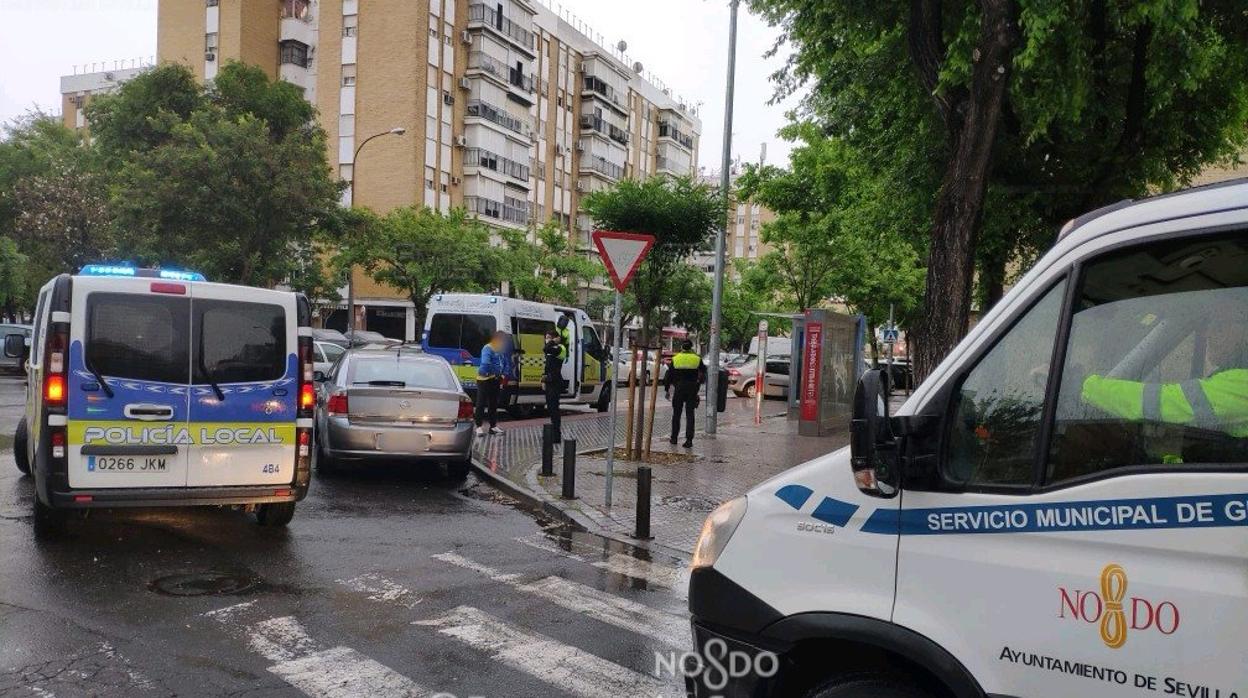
569, 468
548, 450
643, 503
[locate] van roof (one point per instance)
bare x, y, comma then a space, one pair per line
1184, 203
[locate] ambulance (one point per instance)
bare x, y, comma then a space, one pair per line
458, 326
1060, 510
156, 388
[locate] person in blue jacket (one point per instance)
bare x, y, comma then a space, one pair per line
490, 377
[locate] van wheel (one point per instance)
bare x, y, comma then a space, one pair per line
604, 399
868, 686
20, 439
457, 470
275, 515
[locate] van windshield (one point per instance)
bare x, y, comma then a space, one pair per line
139, 337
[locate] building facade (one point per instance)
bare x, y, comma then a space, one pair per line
510, 110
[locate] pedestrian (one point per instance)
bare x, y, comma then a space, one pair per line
555, 353
490, 375
681, 385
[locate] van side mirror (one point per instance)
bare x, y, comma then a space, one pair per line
14, 346
872, 445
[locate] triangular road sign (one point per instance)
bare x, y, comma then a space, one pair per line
622, 253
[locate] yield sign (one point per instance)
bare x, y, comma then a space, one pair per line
622, 253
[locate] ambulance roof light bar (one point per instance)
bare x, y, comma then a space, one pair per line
135, 272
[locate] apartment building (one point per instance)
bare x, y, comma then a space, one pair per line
511, 110
78, 89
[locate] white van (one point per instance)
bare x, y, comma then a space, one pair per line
458, 325
1060, 510
155, 388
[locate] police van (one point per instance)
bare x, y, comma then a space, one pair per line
458, 325
156, 388
1060, 509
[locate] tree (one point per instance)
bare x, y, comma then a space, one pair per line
1016, 110
740, 303
14, 289
680, 212
63, 219
422, 252
548, 268
228, 180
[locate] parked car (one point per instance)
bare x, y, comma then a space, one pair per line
324, 334
742, 378
324, 354
392, 405
624, 366
14, 363
363, 337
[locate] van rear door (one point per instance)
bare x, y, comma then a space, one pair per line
245, 388
134, 343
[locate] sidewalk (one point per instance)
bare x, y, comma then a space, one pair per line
686, 486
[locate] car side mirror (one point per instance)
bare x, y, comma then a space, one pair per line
872, 445
319, 376
14, 346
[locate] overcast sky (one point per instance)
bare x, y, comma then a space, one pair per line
683, 42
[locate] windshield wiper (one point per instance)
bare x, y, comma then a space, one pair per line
99, 378
204, 368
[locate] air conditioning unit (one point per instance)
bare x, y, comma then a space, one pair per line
210, 56
447, 98
580, 147
465, 37
464, 83
461, 141
456, 181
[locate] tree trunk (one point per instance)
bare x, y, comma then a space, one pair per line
959, 203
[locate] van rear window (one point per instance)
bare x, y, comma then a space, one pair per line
459, 331
239, 342
139, 337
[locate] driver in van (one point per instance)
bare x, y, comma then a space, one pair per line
1217, 402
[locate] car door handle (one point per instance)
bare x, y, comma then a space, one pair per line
148, 413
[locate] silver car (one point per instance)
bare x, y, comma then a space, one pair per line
392, 405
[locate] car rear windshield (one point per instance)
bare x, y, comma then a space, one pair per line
239, 342
139, 337
459, 331
400, 372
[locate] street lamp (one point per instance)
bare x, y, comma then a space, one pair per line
717, 294
355, 163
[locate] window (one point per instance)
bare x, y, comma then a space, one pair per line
348, 75
593, 346
239, 342
778, 368
1156, 368
350, 25
139, 337
998, 409
456, 331
294, 53
213, 3
400, 372
331, 351
210, 42
296, 9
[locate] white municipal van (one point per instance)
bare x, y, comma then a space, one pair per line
155, 388
1060, 510
458, 325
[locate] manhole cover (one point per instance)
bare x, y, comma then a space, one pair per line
689, 503
204, 584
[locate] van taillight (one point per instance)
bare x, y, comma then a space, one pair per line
305, 442
337, 404
465, 409
57, 439
55, 381
54, 389
307, 391
307, 397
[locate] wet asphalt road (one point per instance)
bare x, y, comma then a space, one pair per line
387, 583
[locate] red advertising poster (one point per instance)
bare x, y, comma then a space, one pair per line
811, 357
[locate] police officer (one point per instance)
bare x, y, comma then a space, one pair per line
686, 375
555, 352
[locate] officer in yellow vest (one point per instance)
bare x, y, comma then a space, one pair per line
686, 376
1217, 403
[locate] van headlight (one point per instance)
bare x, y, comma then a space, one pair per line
716, 532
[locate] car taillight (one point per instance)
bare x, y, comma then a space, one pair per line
337, 404
465, 410
734, 372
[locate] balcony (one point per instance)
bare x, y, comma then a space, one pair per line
489, 112
595, 86
597, 123
512, 211
484, 62
602, 166
479, 15
480, 157
670, 166
668, 130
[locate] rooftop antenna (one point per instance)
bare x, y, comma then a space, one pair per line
762, 158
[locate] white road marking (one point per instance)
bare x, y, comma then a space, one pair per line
659, 574
41, 692
379, 588
563, 666
337, 672
586, 600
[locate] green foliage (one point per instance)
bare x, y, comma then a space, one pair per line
743, 297
145, 111
422, 252
547, 268
680, 212
14, 281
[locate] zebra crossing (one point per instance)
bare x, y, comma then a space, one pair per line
324, 663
